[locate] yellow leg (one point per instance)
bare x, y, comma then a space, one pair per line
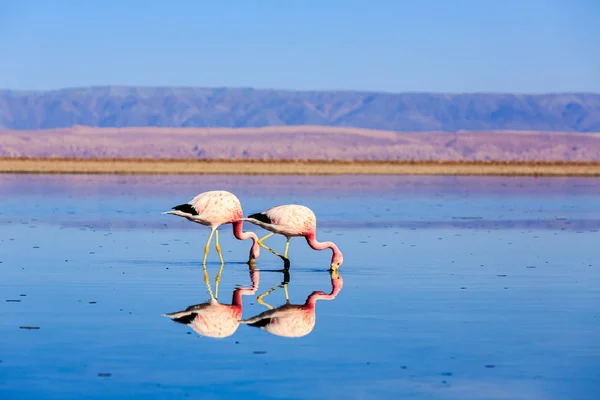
261, 301
265, 237
287, 246
217, 245
287, 297
212, 232
271, 250
260, 243
207, 282
218, 280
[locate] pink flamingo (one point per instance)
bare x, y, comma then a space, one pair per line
294, 220
294, 320
214, 319
214, 209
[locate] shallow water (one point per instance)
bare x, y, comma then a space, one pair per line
453, 288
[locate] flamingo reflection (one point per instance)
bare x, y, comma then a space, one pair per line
293, 320
214, 319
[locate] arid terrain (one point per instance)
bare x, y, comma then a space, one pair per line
228, 130
301, 142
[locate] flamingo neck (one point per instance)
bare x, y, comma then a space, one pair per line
336, 286
316, 245
241, 235
236, 299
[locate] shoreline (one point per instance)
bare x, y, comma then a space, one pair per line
139, 166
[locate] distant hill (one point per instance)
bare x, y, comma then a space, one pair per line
234, 108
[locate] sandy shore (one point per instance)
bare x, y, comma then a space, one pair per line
296, 167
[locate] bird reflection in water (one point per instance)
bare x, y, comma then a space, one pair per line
293, 320
214, 319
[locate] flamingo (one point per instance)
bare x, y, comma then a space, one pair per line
293, 220
294, 320
213, 209
213, 319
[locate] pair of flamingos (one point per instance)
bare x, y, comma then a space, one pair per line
219, 207
217, 320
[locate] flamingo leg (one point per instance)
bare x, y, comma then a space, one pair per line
212, 232
217, 245
287, 297
261, 301
268, 248
207, 282
286, 261
265, 237
287, 246
218, 280
271, 250
259, 241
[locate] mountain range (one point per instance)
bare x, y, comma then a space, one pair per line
240, 107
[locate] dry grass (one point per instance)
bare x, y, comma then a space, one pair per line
294, 167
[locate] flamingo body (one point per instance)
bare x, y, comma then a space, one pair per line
213, 209
288, 220
211, 319
290, 320
295, 320
295, 220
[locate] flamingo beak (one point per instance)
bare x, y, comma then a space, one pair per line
335, 266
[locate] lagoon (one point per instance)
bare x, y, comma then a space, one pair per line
453, 288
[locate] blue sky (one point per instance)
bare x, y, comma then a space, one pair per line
528, 46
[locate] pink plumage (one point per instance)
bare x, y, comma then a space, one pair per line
213, 209
294, 220
214, 319
295, 320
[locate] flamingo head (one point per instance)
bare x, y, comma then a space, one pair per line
254, 252
337, 260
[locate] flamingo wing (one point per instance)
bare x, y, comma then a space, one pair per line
186, 208
294, 219
288, 220
279, 312
289, 320
218, 207
189, 314
262, 217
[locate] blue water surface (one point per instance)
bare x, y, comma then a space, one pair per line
453, 288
